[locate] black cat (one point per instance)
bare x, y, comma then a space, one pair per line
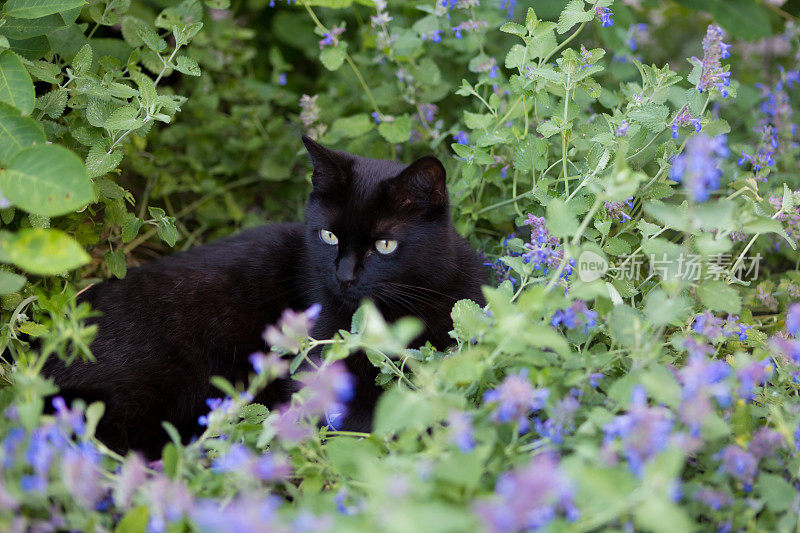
374, 229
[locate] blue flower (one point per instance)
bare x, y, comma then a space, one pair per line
461, 430
605, 15
461, 137
793, 320
698, 166
515, 399
282, 78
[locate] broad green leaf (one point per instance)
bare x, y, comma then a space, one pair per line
99, 161
560, 220
43, 251
778, 493
17, 132
651, 116
718, 296
123, 118
33, 9
46, 180
16, 87
332, 56
83, 60
116, 263
353, 126
10, 282
396, 131
573, 14
187, 66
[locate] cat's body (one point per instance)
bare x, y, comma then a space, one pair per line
171, 324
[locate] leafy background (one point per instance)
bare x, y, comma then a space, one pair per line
132, 129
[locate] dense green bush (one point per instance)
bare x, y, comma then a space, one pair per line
637, 364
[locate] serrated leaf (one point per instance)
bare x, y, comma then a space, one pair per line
188, 66
149, 37
98, 111
83, 60
354, 126
718, 296
100, 162
332, 57
46, 180
17, 132
396, 131
116, 263
476, 121
43, 251
573, 14
651, 116
560, 220
514, 29
16, 87
123, 118
130, 227
53, 103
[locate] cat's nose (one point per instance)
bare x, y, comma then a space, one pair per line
346, 270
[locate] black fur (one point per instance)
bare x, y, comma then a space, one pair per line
173, 323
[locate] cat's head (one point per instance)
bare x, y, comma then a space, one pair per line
372, 224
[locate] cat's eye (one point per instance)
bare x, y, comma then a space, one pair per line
328, 237
385, 246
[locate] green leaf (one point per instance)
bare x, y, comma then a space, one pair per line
396, 131
651, 116
123, 119
718, 296
100, 162
560, 220
116, 263
149, 37
354, 126
46, 180
477, 121
43, 251
134, 521
16, 87
10, 282
778, 493
83, 60
573, 14
188, 66
17, 132
332, 57
514, 29
53, 103
33, 9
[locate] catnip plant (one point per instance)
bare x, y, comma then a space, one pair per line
628, 169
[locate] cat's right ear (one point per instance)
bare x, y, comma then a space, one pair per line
328, 175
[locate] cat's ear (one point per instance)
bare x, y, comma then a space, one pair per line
328, 174
421, 185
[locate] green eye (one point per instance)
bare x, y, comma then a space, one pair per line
385, 246
328, 237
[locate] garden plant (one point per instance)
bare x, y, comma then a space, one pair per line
629, 170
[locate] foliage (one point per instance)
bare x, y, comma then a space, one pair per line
632, 369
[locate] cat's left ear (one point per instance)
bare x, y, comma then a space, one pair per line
328, 175
421, 184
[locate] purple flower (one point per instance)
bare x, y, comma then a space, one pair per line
529, 498
331, 38
702, 379
715, 499
292, 329
328, 387
574, 316
709, 326
684, 118
594, 379
740, 464
765, 443
561, 420
461, 430
509, 6
80, 473
461, 137
516, 399
169, 501
282, 79
643, 431
605, 15
70, 420
752, 375
271, 364
434, 36
714, 51
622, 130
131, 476
698, 166
617, 209
793, 319
244, 513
